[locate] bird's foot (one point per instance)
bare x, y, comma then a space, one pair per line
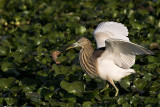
117, 91
104, 88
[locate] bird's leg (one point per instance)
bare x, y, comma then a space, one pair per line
104, 88
112, 82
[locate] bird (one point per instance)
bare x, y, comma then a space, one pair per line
114, 56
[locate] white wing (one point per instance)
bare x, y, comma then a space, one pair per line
106, 30
113, 36
123, 52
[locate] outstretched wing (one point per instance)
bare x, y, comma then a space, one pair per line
123, 52
113, 36
106, 30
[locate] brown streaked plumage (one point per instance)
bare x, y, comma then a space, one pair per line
88, 57
87, 61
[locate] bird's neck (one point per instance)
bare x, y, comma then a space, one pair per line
87, 62
87, 49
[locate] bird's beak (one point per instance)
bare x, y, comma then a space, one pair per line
72, 46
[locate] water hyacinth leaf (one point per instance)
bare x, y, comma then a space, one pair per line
48, 10
125, 83
15, 90
87, 104
1, 100
48, 27
33, 95
150, 19
7, 66
143, 11
2, 3
46, 60
158, 70
42, 73
120, 100
80, 30
131, 13
126, 105
41, 51
36, 27
65, 70
139, 83
62, 59
21, 48
134, 100
158, 96
65, 85
56, 69
147, 76
18, 56
76, 87
151, 66
7, 42
155, 87
24, 27
137, 25
3, 50
150, 100
71, 56
28, 89
10, 101
7, 83
39, 40
151, 59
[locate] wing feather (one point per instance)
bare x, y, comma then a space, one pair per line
113, 36
123, 52
106, 30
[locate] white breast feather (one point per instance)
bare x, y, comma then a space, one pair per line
107, 68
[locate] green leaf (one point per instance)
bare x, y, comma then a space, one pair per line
151, 59
137, 25
1, 100
2, 3
87, 104
76, 87
139, 83
7, 83
126, 105
120, 100
6, 66
3, 50
80, 30
158, 96
10, 101
147, 76
39, 40
125, 83
47, 28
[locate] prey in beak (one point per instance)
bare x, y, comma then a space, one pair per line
55, 54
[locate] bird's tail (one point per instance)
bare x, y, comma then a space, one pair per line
131, 71
126, 72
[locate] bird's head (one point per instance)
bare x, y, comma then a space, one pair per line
80, 43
